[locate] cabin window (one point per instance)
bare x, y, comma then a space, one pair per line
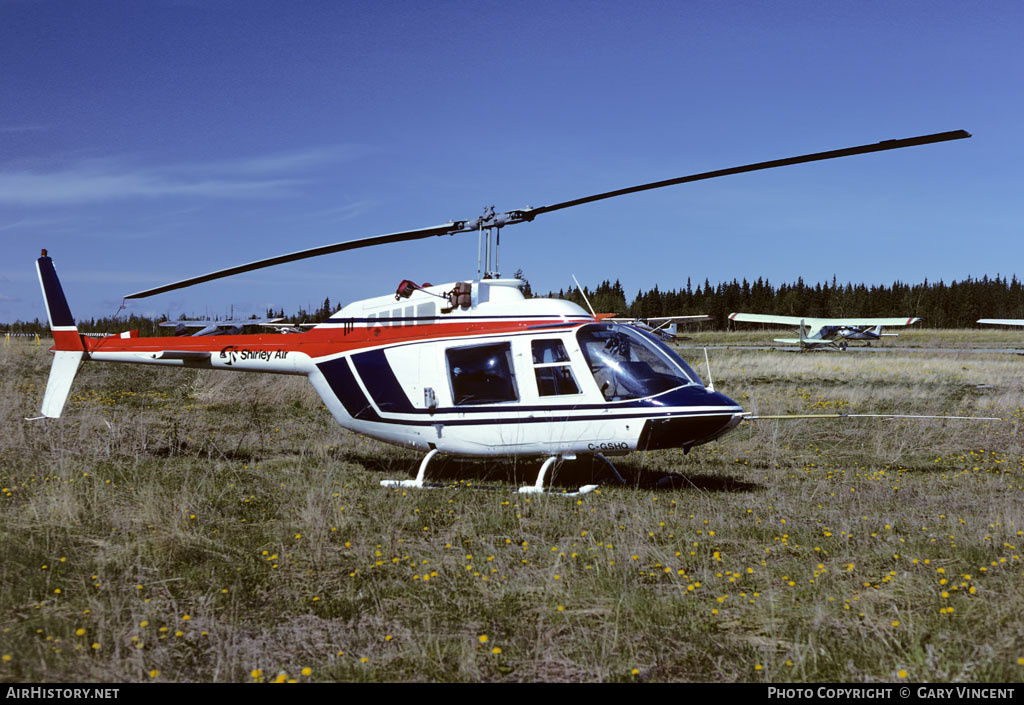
551, 367
482, 374
628, 363
424, 312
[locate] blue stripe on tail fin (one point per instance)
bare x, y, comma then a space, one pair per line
53, 294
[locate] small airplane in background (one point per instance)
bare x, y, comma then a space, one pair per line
665, 327
1002, 321
832, 332
228, 326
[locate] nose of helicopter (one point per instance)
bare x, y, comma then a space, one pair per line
703, 416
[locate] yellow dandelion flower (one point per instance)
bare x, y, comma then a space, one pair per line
483, 638
758, 667
901, 673
307, 671
80, 632
496, 650
154, 673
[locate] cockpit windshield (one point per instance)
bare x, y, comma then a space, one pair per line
629, 363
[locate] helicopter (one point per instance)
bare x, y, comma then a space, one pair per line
469, 368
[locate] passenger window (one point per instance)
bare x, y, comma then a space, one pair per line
482, 374
554, 375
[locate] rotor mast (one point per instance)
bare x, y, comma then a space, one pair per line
487, 253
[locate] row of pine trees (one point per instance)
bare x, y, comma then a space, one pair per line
941, 305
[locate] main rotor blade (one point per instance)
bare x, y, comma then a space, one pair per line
525, 215
435, 230
816, 157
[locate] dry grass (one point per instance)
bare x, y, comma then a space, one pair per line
215, 527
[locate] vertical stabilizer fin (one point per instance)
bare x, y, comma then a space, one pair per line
65, 333
68, 349
62, 373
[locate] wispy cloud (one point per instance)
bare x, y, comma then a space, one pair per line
102, 180
7, 129
80, 185
339, 214
295, 160
30, 223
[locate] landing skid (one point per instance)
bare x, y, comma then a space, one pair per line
536, 488
418, 482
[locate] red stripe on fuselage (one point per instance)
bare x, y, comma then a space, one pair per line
320, 342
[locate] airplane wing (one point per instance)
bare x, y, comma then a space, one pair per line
1002, 321
664, 327
805, 341
820, 322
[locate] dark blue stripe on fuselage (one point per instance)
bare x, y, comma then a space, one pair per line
343, 383
380, 381
56, 303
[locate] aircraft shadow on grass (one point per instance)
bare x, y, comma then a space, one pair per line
570, 474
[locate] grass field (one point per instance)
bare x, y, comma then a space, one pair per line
206, 526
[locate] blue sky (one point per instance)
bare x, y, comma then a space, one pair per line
145, 142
